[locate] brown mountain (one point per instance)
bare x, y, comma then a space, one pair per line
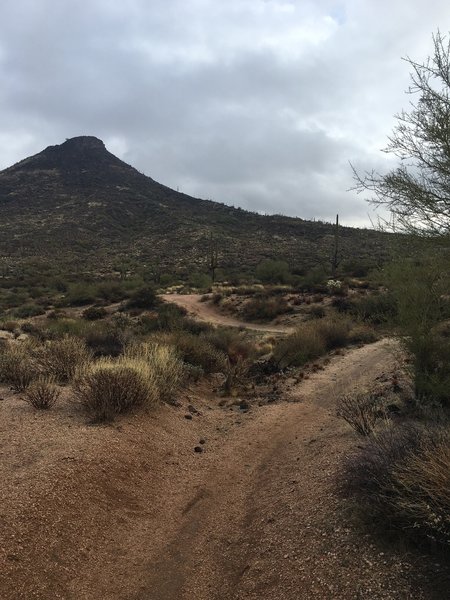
78, 204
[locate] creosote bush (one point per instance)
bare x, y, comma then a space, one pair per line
42, 393
107, 388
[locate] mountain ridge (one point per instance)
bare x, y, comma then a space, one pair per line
79, 197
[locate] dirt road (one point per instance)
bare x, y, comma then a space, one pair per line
208, 313
132, 512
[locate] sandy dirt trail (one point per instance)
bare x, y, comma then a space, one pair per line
204, 311
131, 512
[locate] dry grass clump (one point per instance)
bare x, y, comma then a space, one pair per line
334, 331
18, 366
420, 488
301, 346
167, 369
42, 393
362, 333
361, 411
61, 358
107, 388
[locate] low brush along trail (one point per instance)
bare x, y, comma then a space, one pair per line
136, 514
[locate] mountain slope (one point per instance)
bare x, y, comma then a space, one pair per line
79, 202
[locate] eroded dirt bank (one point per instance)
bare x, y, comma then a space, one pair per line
131, 512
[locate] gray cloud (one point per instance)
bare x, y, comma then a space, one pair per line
256, 103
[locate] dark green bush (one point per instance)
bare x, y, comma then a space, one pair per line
143, 298
93, 313
265, 308
28, 310
273, 271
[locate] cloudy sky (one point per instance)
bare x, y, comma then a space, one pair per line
255, 103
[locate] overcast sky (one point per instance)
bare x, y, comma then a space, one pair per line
254, 103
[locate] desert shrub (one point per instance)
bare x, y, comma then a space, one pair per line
106, 341
317, 312
273, 271
143, 298
239, 350
400, 479
334, 331
298, 348
376, 308
361, 411
94, 313
196, 350
28, 310
200, 281
79, 294
343, 305
420, 489
18, 366
265, 309
58, 328
107, 388
42, 393
32, 329
167, 369
362, 333
62, 357
10, 326
111, 291
217, 298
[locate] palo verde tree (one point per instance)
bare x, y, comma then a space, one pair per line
417, 192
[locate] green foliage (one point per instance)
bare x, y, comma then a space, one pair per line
273, 271
421, 289
93, 313
299, 347
200, 281
28, 310
265, 308
143, 298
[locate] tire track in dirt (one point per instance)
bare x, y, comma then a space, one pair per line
266, 524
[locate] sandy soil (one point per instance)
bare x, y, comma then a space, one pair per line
204, 311
131, 512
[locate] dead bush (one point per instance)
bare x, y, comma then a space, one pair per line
42, 393
61, 358
361, 411
107, 388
